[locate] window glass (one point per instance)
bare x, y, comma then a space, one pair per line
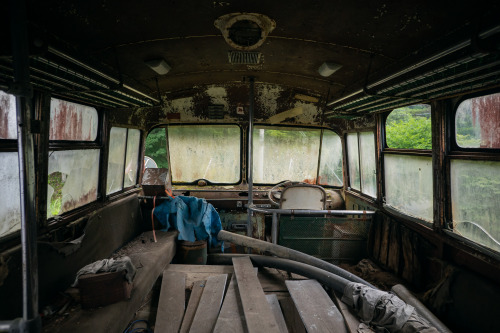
368, 163
210, 152
71, 121
73, 179
330, 166
408, 184
132, 158
353, 161
156, 147
409, 127
285, 154
477, 122
10, 211
116, 159
475, 193
8, 123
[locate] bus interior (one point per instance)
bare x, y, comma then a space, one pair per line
365, 134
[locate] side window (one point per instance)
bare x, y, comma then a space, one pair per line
210, 152
409, 127
408, 181
8, 126
156, 149
73, 157
477, 122
292, 153
475, 182
10, 214
362, 163
123, 159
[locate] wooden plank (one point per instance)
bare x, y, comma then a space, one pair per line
200, 272
406, 248
194, 300
351, 321
376, 236
172, 302
394, 246
384, 243
292, 317
275, 307
210, 304
315, 307
216, 269
271, 280
258, 314
231, 317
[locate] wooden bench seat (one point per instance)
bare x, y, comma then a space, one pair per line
150, 260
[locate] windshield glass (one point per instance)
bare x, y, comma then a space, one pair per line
281, 153
210, 152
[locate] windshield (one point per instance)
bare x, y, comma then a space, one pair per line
281, 153
210, 152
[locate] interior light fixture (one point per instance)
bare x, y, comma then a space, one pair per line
160, 66
328, 68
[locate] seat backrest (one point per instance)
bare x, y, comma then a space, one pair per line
303, 196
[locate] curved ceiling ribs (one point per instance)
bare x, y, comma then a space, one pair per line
96, 51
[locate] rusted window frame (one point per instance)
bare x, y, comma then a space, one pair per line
63, 145
140, 157
322, 129
455, 152
360, 192
384, 149
209, 183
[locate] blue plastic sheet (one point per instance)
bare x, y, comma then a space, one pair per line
194, 218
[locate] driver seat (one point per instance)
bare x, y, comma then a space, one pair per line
303, 196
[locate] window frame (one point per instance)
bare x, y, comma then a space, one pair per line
349, 187
10, 146
455, 152
385, 149
209, 183
139, 164
455, 149
321, 129
70, 145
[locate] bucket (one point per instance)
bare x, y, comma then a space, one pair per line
192, 253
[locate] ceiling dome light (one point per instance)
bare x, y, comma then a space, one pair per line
328, 68
245, 31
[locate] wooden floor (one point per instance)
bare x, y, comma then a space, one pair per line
240, 298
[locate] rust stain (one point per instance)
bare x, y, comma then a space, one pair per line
4, 117
83, 200
67, 123
486, 111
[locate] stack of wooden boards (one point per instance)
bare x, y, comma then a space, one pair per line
237, 302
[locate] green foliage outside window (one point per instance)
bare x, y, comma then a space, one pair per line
409, 127
156, 147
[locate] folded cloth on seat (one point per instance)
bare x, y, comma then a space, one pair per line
194, 218
108, 265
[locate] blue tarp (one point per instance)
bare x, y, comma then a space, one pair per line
195, 218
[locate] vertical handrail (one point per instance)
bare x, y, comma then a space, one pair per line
250, 157
22, 89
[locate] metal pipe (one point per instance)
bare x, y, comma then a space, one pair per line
408, 297
274, 229
329, 279
250, 156
311, 211
443, 68
26, 155
86, 79
286, 253
101, 74
424, 62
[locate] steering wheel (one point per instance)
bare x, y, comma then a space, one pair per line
274, 193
